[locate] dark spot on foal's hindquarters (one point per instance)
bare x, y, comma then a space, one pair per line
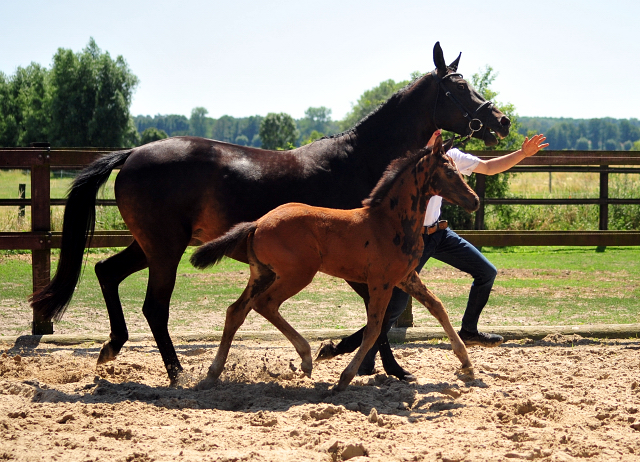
385, 286
396, 240
393, 202
366, 244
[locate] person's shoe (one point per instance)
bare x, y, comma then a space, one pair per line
480, 338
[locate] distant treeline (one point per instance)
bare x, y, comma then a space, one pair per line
244, 131
606, 134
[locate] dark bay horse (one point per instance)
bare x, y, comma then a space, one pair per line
378, 244
177, 189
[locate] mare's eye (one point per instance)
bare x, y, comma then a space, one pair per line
461, 86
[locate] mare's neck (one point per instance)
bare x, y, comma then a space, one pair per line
403, 123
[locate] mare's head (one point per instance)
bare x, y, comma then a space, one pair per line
442, 177
460, 108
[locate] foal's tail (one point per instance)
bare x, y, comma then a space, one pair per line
78, 227
212, 252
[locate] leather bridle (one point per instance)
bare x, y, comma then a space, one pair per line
475, 124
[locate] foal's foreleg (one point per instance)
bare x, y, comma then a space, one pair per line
414, 287
375, 318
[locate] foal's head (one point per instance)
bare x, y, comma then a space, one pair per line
442, 177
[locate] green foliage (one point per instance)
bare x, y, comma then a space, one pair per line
152, 134
90, 98
318, 120
314, 135
172, 124
278, 131
370, 100
198, 123
604, 133
24, 100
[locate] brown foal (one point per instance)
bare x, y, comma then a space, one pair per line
378, 244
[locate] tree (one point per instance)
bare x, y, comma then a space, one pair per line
23, 106
198, 125
278, 131
152, 134
583, 144
314, 135
316, 119
90, 98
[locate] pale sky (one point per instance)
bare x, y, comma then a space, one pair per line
554, 58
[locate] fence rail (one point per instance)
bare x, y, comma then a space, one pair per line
41, 239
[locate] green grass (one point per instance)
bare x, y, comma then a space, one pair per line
535, 286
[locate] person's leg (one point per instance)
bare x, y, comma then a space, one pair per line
398, 303
460, 254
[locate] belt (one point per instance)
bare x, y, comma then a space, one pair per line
440, 224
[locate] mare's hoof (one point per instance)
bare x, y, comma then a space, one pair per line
326, 351
206, 384
107, 353
408, 377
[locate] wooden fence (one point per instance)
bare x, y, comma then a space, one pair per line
41, 239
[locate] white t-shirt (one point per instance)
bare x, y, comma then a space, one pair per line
466, 164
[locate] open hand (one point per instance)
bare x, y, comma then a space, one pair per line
533, 145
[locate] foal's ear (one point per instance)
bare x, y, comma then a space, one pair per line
437, 145
438, 60
454, 65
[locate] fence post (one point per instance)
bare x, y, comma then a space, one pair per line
22, 189
603, 224
41, 223
406, 318
480, 191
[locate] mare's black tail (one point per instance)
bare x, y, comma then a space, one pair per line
212, 252
78, 226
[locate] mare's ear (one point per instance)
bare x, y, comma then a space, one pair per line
447, 145
438, 60
454, 65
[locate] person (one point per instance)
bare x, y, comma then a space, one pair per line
443, 244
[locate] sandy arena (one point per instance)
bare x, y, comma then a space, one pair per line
559, 399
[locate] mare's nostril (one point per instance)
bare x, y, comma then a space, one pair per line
504, 121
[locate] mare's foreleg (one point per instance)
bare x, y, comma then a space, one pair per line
348, 344
111, 272
414, 287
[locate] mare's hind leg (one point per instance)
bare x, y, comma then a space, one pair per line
111, 272
163, 264
414, 287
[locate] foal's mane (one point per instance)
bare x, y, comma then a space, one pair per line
395, 170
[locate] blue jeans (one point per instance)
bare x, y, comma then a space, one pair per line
446, 246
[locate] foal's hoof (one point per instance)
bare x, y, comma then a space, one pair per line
326, 351
107, 353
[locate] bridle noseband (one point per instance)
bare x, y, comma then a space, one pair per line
475, 124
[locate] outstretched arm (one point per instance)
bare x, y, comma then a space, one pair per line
500, 164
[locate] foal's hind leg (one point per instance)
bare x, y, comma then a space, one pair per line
260, 280
236, 314
268, 303
111, 272
414, 287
